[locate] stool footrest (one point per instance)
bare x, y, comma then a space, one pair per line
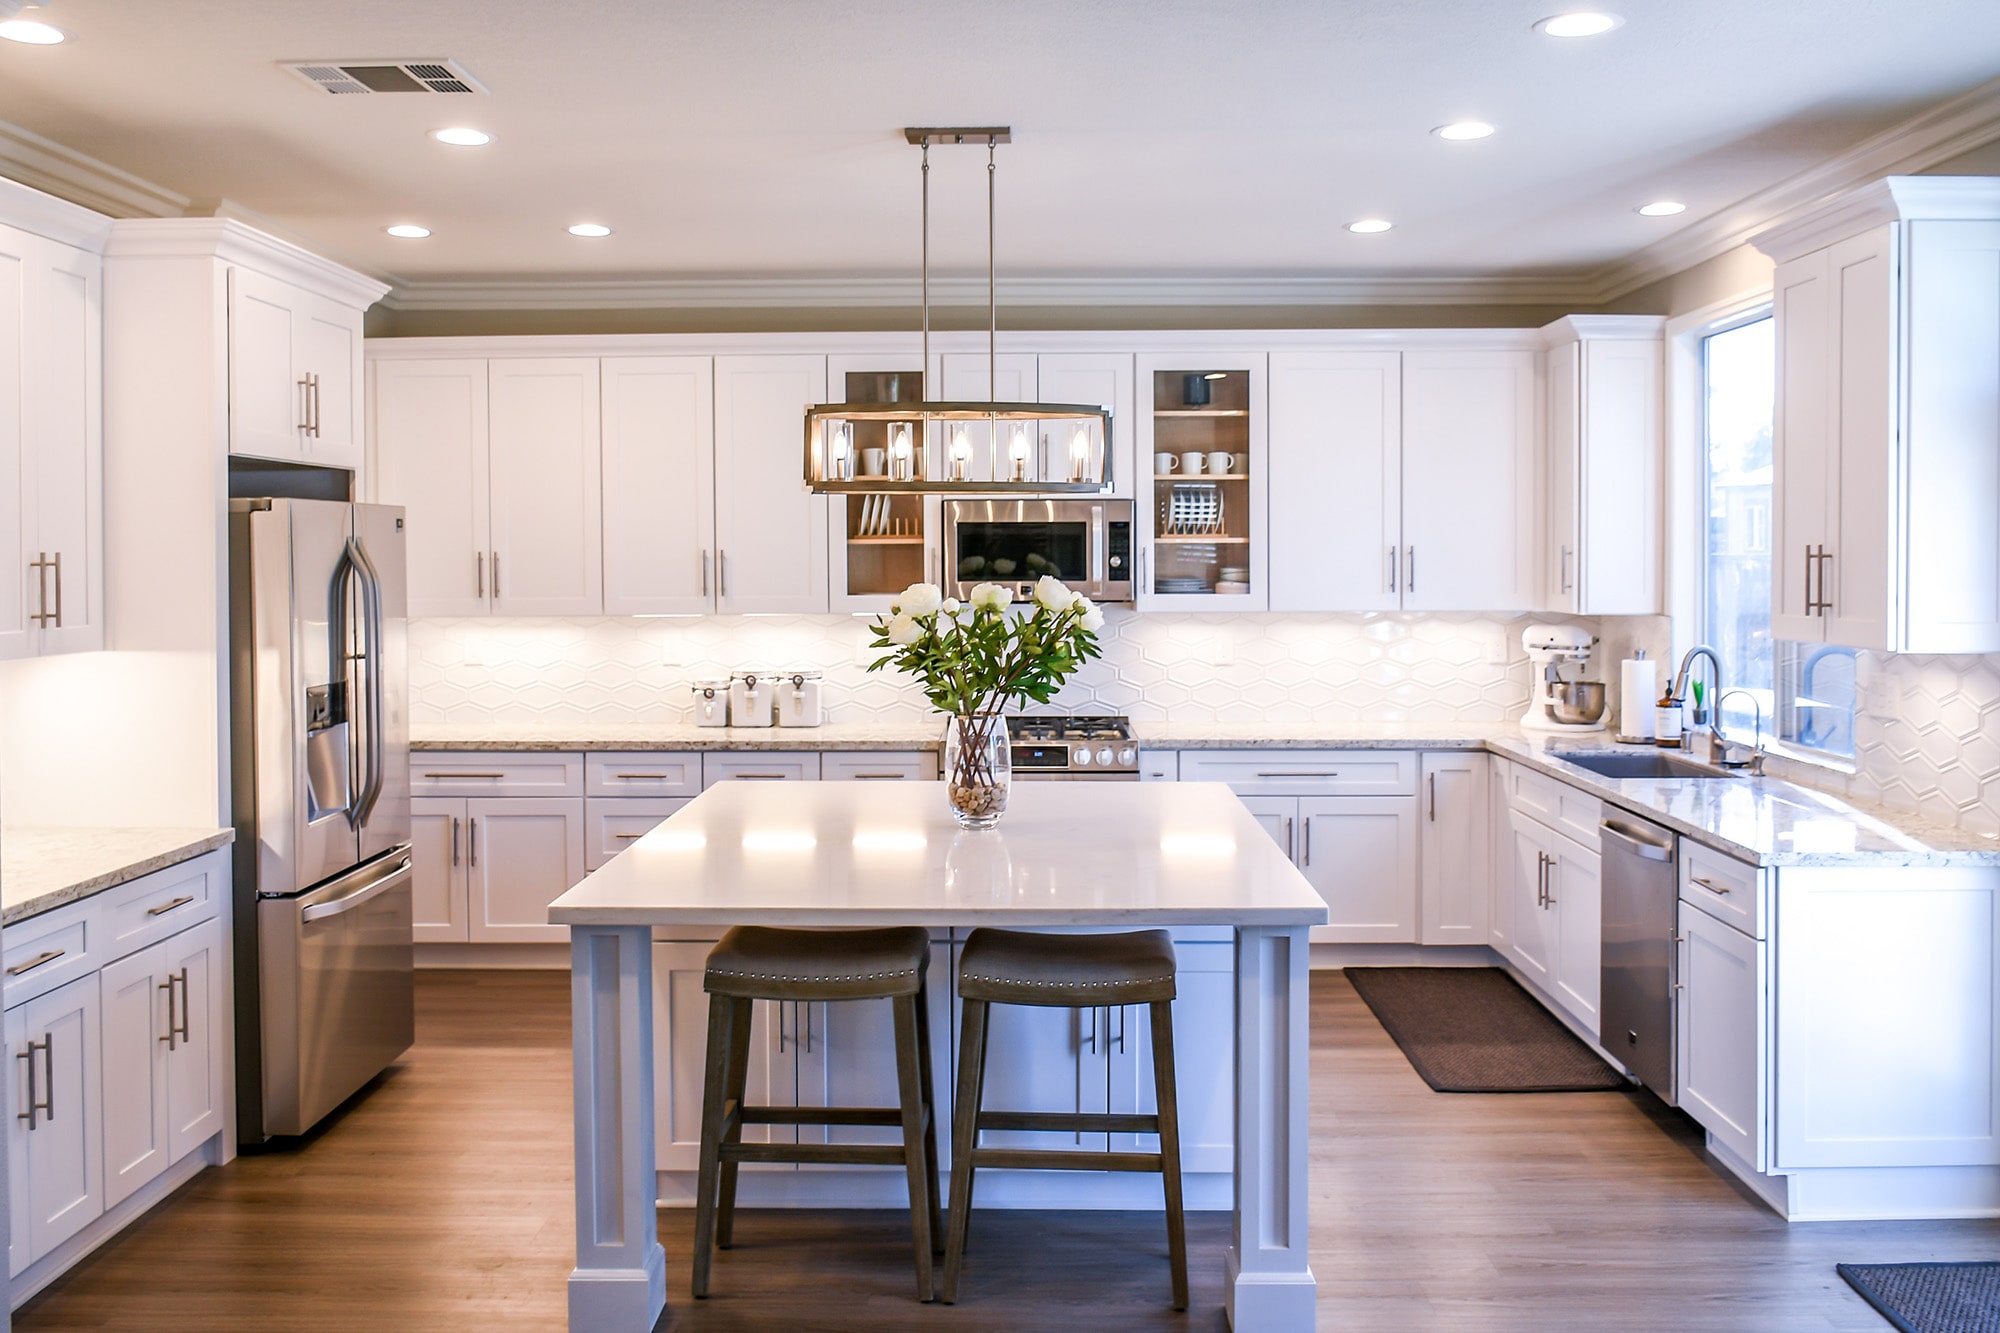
1087, 1122
822, 1115
816, 1154
1050, 1159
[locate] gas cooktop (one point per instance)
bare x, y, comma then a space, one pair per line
1073, 746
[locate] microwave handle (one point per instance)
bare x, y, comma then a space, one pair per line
1098, 576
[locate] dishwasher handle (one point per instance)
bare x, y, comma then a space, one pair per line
1639, 841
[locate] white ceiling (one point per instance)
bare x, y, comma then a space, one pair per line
1151, 137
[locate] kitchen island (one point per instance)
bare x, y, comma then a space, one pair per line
838, 854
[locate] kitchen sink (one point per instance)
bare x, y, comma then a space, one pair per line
1641, 765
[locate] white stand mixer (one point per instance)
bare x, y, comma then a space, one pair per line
1558, 704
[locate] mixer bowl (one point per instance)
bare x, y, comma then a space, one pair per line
1576, 703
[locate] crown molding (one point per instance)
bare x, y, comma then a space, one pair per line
1603, 328
1891, 199
43, 214
67, 174
235, 242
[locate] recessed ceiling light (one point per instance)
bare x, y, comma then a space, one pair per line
1369, 226
462, 136
409, 231
590, 229
1584, 23
1664, 208
1460, 130
32, 33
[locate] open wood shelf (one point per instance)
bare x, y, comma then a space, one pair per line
885, 541
1183, 539
1201, 411
1201, 476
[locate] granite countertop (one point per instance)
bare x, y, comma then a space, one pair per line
44, 868
1310, 735
538, 736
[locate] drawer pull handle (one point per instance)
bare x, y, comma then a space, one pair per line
760, 777
627, 837
36, 962
1334, 774
457, 774
1710, 885
865, 777
654, 777
167, 907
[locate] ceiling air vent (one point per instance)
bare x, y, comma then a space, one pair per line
342, 77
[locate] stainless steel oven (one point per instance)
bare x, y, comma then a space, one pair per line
1085, 543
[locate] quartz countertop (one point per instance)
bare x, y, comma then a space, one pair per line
633, 736
44, 868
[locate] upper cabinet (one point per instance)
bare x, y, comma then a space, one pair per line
1604, 497
294, 373
770, 531
659, 484
1887, 440
1201, 509
1337, 481
430, 457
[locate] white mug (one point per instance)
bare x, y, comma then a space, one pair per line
1164, 463
1221, 462
1191, 461
872, 461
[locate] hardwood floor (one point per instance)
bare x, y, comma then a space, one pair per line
441, 1200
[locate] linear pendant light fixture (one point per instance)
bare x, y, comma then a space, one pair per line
990, 447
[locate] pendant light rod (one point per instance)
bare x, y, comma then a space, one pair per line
926, 366
992, 306
994, 135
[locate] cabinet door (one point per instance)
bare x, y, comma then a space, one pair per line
1204, 1059
1360, 852
770, 531
64, 1148
1861, 272
547, 510
1197, 532
1802, 474
437, 886
680, 1034
137, 1134
1279, 817
1499, 858
962, 378
1471, 497
1616, 569
1097, 379
1046, 1060
1719, 1079
430, 458
329, 350
1532, 923
659, 485
1455, 861
267, 401
62, 410
1576, 888
1563, 518
18, 592
846, 1056
196, 1071
1336, 481
521, 855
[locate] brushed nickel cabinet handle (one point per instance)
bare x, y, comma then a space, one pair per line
305, 405
167, 907
1290, 842
454, 839
704, 573
185, 1006
454, 773
472, 841
1307, 858
1565, 569
722, 573
1710, 885
1334, 774
496, 576
1394, 562
866, 777
170, 1038
58, 573
479, 575
1410, 579
1434, 797
627, 837
35, 962
653, 777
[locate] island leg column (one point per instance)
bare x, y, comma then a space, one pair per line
1268, 1281
620, 1279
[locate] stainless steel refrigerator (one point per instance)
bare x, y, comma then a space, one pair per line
319, 735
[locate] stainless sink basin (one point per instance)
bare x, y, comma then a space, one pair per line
1612, 765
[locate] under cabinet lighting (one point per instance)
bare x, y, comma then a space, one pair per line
1583, 23
1216, 375
1460, 131
30, 33
1370, 226
462, 136
409, 231
590, 229
1664, 208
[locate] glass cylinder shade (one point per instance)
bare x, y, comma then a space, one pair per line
977, 447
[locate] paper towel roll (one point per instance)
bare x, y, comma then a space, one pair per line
1638, 692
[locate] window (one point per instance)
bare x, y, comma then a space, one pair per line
1805, 690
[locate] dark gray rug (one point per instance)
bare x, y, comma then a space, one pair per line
1473, 1029
1931, 1298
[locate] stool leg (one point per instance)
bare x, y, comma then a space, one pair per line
720, 1013
1170, 1145
735, 1079
964, 1116
930, 1116
909, 1082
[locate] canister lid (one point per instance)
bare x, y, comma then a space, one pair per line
801, 677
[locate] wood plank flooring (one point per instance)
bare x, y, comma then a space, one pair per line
441, 1200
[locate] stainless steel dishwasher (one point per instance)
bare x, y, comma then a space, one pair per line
1636, 981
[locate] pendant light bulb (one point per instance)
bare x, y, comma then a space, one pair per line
1079, 444
1019, 451
902, 441
961, 448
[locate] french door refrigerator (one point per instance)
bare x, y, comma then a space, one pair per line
319, 735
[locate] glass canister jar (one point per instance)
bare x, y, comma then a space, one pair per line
711, 702
752, 695
800, 701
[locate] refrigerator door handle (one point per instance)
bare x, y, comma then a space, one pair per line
371, 655
347, 902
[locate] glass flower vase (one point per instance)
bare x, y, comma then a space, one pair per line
978, 769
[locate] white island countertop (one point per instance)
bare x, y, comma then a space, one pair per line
863, 854
44, 868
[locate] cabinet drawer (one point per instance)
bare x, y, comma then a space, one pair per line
1562, 807
1305, 772
47, 951
916, 765
611, 825
473, 774
769, 765
1159, 765
642, 774
155, 906
1729, 890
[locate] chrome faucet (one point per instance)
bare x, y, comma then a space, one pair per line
1755, 763
1716, 745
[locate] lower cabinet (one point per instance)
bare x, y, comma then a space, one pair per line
611, 824
1554, 904
1360, 852
1720, 1044
1454, 898
55, 1153
487, 868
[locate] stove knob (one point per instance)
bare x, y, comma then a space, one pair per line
1128, 757
1082, 756
1104, 756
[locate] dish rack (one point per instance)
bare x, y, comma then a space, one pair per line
1192, 509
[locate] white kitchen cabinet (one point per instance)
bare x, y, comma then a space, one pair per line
1471, 480
1216, 534
1531, 926
521, 855
1887, 443
1554, 931
1604, 499
611, 824
1046, 1060
430, 457
1360, 853
1721, 1033
1454, 859
759, 766
1500, 858
659, 485
1098, 379
770, 531
878, 766
55, 1153
868, 565
1279, 817
437, 854
680, 1028
1337, 481
198, 1068
543, 489
1159, 765
294, 373
844, 1054
1204, 1054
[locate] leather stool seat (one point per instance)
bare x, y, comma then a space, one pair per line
772, 963
1068, 971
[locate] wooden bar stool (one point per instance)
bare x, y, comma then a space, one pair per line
1073, 972
764, 963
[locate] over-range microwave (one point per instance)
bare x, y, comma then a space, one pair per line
1085, 543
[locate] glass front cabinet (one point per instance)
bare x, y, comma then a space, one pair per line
881, 544
1201, 509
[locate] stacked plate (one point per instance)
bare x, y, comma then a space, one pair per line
1179, 585
1194, 509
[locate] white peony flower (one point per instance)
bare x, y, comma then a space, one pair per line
920, 599
1093, 614
951, 606
991, 597
1051, 593
904, 630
